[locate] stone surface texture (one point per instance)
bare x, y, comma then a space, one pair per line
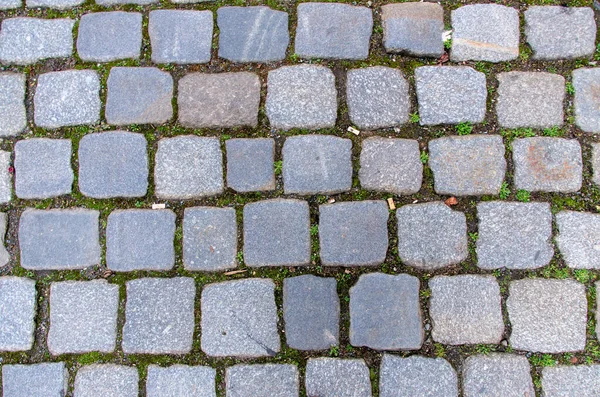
578, 239
10, 4
13, 117
586, 83
34, 380
262, 380
596, 163
98, 380
6, 184
335, 377
250, 164
497, 375
109, 36
180, 380
575, 380
17, 313
55, 4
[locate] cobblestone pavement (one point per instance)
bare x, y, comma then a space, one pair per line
280, 199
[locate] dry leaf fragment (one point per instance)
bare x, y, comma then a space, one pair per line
231, 273
450, 201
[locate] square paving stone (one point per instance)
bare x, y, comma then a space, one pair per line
59, 239
391, 165
139, 239
83, 317
514, 235
17, 313
276, 233
250, 164
467, 165
55, 4
547, 164
13, 118
311, 312
109, 36
301, 96
188, 167
262, 380
572, 380
578, 239
416, 376
113, 164
586, 82
180, 380
334, 377
353, 233
43, 168
385, 313
181, 36
159, 316
431, 235
465, 309
547, 316
10, 4
219, 100
485, 32
333, 31
25, 41
35, 380
101, 380
413, 28
450, 94
560, 32
377, 97
209, 238
239, 318
138, 95
252, 34
497, 375
5, 177
317, 164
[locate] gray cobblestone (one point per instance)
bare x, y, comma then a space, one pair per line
13, 118
576, 380
596, 163
10, 4
586, 82
55, 4
180, 380
250, 164
109, 36
262, 380
17, 313
497, 375
416, 376
577, 239
5, 177
335, 377
35, 380
101, 380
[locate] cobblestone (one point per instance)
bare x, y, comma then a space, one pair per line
577, 380
35, 380
55, 4
10, 4
109, 36
100, 380
5, 177
577, 239
250, 164
17, 313
497, 374
13, 118
586, 83
180, 380
596, 163
335, 377
262, 380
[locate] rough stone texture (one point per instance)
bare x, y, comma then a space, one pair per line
586, 82
497, 375
252, 34
35, 380
416, 376
450, 94
180, 380
578, 239
301, 96
547, 316
109, 36
595, 163
10, 4
262, 380
59, 239
219, 100
5, 177
311, 312
56, 4
317, 164
250, 164
138, 95
108, 3
514, 235
377, 97
413, 28
560, 32
13, 118
547, 164
25, 41
140, 239
335, 377
353, 233
431, 235
471, 165
100, 380
159, 316
465, 309
181, 36
579, 380
4, 255
239, 318
209, 238
276, 233
385, 313
333, 31
485, 32
43, 168
188, 167
17, 313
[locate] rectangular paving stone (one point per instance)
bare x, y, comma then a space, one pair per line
180, 380
109, 36
5, 177
4, 255
13, 118
262, 380
17, 313
34, 380
571, 380
335, 377
159, 316
416, 376
578, 239
100, 380
586, 82
83, 317
497, 374
59, 239
595, 163
250, 164
10, 4
55, 4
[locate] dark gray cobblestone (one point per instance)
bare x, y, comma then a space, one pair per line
109, 36
13, 118
262, 380
35, 380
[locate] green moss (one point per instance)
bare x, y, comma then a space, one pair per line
523, 196
504, 191
464, 128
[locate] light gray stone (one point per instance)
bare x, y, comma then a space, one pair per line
597, 309
547, 164
109, 36
25, 41
431, 235
560, 32
250, 164
311, 312
108, 3
17, 313
578, 239
595, 163
140, 239
13, 118
335, 377
188, 167
276, 233
385, 313
101, 380
547, 316
159, 316
377, 97
465, 309
209, 238
113, 164
180, 380
239, 318
181, 36
586, 82
301, 96
59, 239
35, 380
4, 255
497, 375
252, 34
317, 164
576, 380
262, 380
55, 4
10, 4
5, 177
